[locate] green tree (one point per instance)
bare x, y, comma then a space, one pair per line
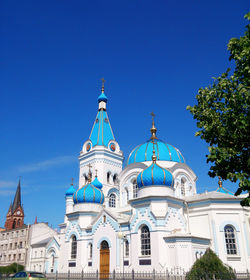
223, 118
209, 266
12, 268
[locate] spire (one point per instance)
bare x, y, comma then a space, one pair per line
35, 220
17, 199
153, 128
101, 133
103, 81
10, 208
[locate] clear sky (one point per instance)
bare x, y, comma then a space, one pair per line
154, 55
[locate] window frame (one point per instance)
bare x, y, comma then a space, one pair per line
73, 252
230, 240
145, 241
112, 200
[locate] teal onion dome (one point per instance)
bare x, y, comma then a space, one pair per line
155, 175
102, 97
97, 183
88, 194
164, 151
70, 191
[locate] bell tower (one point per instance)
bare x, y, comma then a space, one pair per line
15, 215
101, 150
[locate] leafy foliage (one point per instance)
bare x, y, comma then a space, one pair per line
223, 118
12, 268
209, 266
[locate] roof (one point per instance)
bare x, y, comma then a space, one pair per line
164, 151
17, 199
41, 242
214, 195
101, 133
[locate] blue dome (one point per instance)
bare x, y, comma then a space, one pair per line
70, 191
97, 183
88, 194
155, 175
163, 151
102, 97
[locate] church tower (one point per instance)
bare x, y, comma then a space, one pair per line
101, 152
15, 215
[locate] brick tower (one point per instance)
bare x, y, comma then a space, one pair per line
15, 215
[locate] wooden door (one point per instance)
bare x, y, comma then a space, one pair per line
104, 261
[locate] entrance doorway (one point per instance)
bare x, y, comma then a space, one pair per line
104, 260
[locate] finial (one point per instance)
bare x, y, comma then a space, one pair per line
90, 174
96, 173
72, 180
103, 81
153, 128
220, 182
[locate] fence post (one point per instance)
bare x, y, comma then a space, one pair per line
56, 275
153, 274
113, 274
97, 274
133, 274
68, 275
248, 273
82, 274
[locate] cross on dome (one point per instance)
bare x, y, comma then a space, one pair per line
153, 128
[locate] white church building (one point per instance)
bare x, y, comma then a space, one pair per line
144, 214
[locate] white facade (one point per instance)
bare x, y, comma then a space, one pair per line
13, 246
155, 227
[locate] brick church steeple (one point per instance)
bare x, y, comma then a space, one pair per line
15, 215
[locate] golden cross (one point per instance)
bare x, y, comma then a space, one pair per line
89, 166
153, 115
103, 81
90, 174
96, 172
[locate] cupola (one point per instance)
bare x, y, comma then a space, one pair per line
70, 191
88, 193
164, 151
155, 175
97, 183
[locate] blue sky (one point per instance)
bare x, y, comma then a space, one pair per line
154, 55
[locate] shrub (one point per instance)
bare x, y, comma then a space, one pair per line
209, 266
12, 268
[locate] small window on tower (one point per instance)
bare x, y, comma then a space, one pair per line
108, 177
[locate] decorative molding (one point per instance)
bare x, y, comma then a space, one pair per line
103, 239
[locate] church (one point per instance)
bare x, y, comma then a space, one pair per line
141, 215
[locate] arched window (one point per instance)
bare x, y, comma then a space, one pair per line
14, 224
127, 194
108, 177
104, 245
115, 179
85, 178
112, 200
145, 241
18, 222
135, 189
126, 248
229, 232
90, 250
73, 247
183, 192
